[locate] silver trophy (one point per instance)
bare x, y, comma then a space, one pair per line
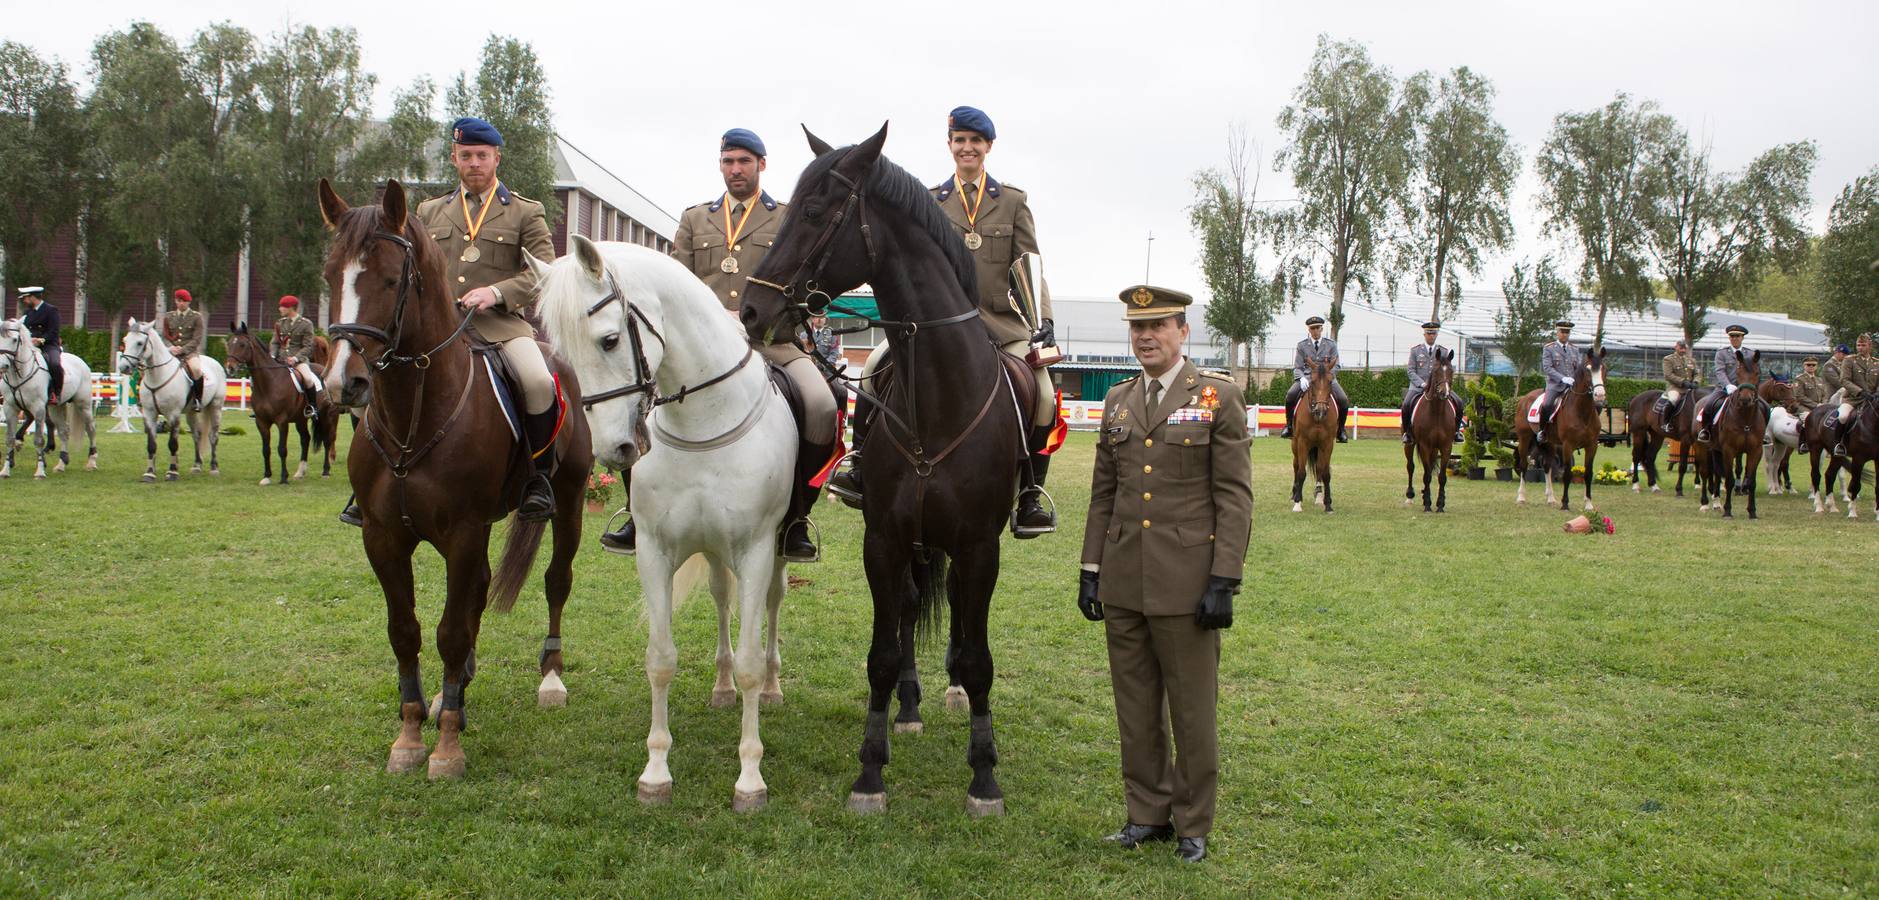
1026, 297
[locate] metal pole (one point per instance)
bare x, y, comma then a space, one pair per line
1148, 257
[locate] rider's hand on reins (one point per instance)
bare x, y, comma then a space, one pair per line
481, 298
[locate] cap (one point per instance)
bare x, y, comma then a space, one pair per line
1735, 330
742, 137
1810, 361
1432, 326
472, 131
290, 302
1314, 320
182, 296
1563, 324
31, 291
1146, 302
1842, 349
971, 118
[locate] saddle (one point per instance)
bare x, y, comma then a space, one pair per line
1019, 374
507, 388
1533, 412
793, 398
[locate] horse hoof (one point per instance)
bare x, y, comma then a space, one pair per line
723, 698
443, 768
551, 698
867, 804
1656, 490
171, 477
979, 809
770, 698
956, 697
751, 802
266, 481
655, 794
195, 470
404, 760
909, 727
39, 476
1298, 507
91, 465
214, 472
150, 478
59, 468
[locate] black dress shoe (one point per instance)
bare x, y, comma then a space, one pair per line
797, 544
1132, 835
622, 540
845, 484
1192, 849
1285, 432
538, 500
1032, 519
1344, 435
351, 516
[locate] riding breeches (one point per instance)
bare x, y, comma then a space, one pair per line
525, 360
307, 378
1672, 395
818, 400
1044, 412
1843, 407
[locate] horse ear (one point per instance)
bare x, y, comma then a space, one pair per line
541, 269
817, 145
865, 154
394, 207
331, 207
588, 256
241, 327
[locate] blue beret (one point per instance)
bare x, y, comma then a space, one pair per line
742, 137
1842, 349
473, 131
971, 118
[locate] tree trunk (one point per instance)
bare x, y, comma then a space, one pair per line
1336, 316
1441, 261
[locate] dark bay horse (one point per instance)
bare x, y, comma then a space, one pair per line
937, 505
1818, 439
1575, 427
1314, 434
1431, 433
1735, 440
1862, 447
277, 403
1647, 437
433, 461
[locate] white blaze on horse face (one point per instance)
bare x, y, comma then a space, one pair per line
348, 312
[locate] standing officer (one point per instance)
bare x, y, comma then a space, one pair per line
1859, 376
1680, 374
1559, 362
994, 220
293, 345
1171, 506
1809, 390
1311, 350
188, 334
1723, 367
722, 242
42, 322
1421, 366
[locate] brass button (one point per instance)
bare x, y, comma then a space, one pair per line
1185, 441
736, 247
1147, 495
1148, 442
1146, 470
733, 295
499, 239
1145, 523
459, 279
1210, 537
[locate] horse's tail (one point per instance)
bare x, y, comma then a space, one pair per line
518, 556
317, 424
693, 573
934, 583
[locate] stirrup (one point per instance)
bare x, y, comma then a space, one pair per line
1839, 449
1049, 505
815, 540
839, 481
608, 529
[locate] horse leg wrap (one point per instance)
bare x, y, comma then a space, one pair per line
550, 644
410, 688
874, 739
982, 756
453, 696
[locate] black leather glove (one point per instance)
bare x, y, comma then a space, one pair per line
1086, 597
1046, 335
1216, 605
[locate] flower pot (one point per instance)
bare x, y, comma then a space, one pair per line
1504, 473
594, 506
1535, 474
1476, 473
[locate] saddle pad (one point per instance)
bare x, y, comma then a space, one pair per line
505, 397
1533, 412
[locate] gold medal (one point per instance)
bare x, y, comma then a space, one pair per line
471, 254
973, 241
728, 266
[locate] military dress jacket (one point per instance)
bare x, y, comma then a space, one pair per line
703, 244
1309, 352
1680, 372
1859, 376
1171, 497
1722, 368
1421, 366
1560, 363
185, 329
1809, 391
1005, 230
42, 322
294, 338
513, 225
1830, 373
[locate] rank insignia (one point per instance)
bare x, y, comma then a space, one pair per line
1209, 398
1122, 414
1142, 296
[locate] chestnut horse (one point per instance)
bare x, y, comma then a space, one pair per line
278, 403
1431, 432
1574, 427
434, 461
1735, 440
1314, 435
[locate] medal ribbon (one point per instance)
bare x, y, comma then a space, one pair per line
474, 227
730, 236
972, 209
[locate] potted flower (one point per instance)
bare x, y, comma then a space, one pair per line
1503, 462
600, 490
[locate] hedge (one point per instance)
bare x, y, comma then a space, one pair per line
94, 347
1384, 389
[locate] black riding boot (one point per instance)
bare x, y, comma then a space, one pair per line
1662, 408
624, 539
1032, 518
795, 543
845, 484
538, 496
193, 400
1344, 426
1461, 420
351, 515
1290, 408
313, 401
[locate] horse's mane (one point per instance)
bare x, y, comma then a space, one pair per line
357, 227
895, 189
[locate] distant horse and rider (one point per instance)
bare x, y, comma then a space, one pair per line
58, 406
278, 402
1552, 425
166, 391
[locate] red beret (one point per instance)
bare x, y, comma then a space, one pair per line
290, 301
183, 295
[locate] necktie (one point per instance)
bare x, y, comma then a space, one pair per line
737, 210
970, 188
1154, 394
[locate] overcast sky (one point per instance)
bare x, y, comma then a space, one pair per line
1104, 111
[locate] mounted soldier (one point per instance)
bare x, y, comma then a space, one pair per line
1810, 390
1311, 350
187, 335
1421, 366
994, 220
1558, 361
42, 323
1680, 374
1859, 378
1723, 374
293, 346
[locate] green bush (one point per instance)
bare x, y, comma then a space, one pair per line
94, 347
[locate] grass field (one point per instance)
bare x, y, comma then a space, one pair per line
197, 696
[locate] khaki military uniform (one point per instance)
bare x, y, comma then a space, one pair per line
513, 225
186, 329
1170, 505
1809, 391
1859, 376
703, 244
1680, 374
293, 339
1006, 230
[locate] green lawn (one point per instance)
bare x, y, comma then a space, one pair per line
197, 696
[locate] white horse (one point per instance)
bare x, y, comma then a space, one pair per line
26, 381
162, 390
1784, 433
711, 474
